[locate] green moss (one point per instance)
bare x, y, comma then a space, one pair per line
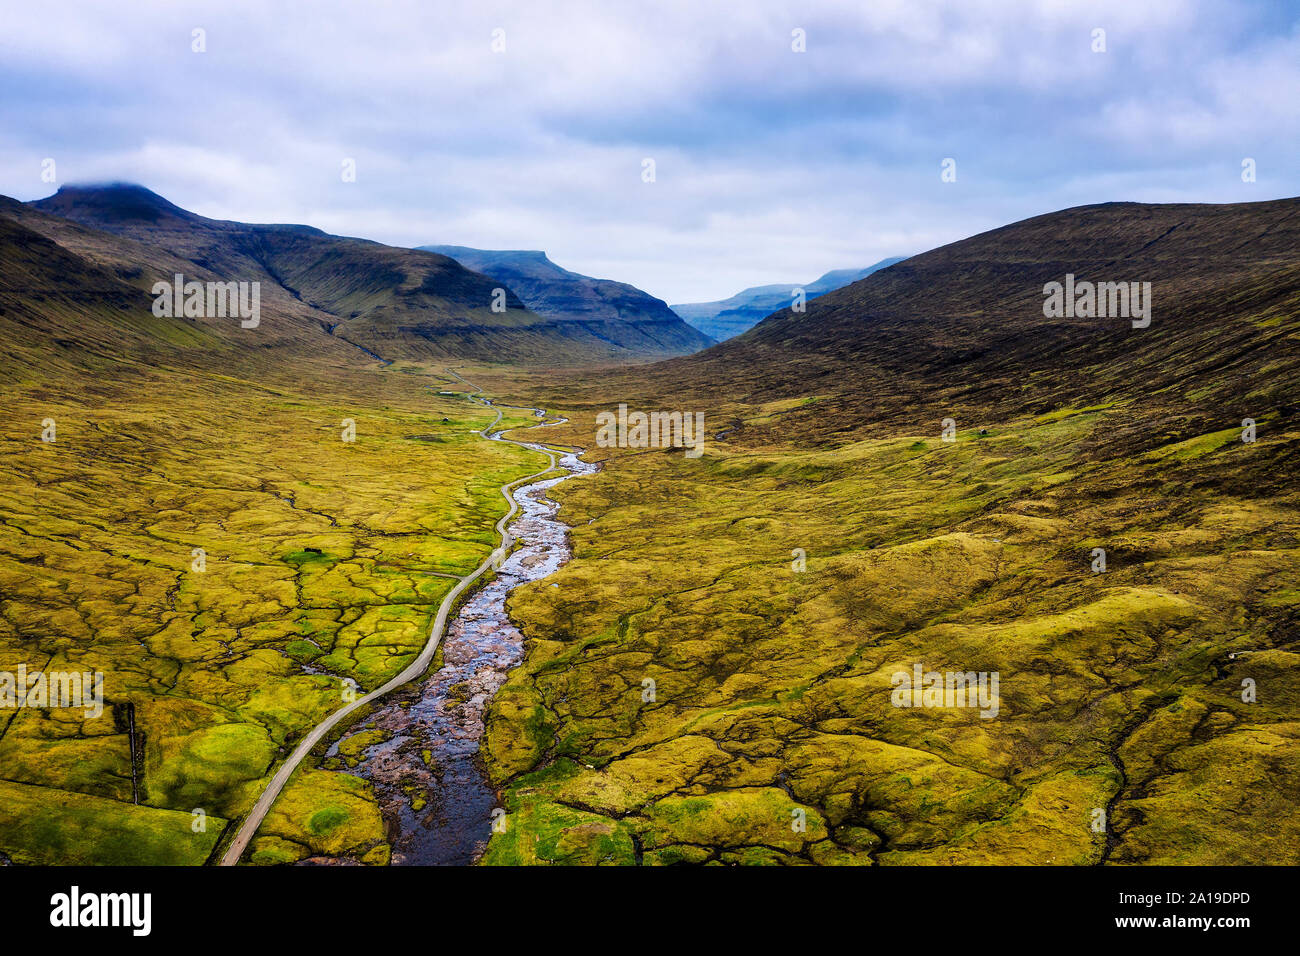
320, 813
539, 832
353, 746
315, 553
41, 826
773, 684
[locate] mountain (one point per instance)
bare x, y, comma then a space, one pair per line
392, 302
319, 293
629, 319
729, 317
963, 325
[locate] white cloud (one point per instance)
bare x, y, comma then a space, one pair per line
772, 165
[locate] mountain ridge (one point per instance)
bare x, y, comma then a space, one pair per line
372, 299
618, 311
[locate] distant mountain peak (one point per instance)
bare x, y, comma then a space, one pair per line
110, 186
516, 261
112, 202
730, 317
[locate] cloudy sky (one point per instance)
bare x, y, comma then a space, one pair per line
770, 165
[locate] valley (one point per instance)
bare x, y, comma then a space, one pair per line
247, 531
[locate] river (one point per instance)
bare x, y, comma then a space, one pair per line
435, 797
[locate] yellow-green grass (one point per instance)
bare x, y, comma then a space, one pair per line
44, 826
324, 563
321, 813
1122, 734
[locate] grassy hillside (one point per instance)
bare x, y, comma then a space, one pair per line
390, 302
59, 311
1148, 712
962, 327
